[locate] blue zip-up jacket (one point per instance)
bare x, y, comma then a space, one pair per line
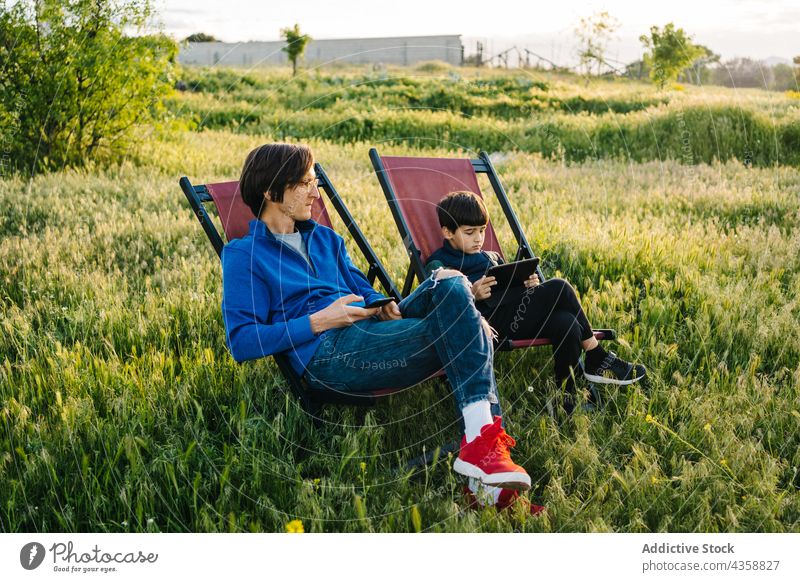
269, 291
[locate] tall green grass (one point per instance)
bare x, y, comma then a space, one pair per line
121, 410
557, 117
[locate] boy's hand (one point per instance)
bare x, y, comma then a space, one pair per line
390, 311
532, 281
482, 288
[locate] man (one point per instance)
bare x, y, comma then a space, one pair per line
290, 287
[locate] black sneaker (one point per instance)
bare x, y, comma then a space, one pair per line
568, 403
594, 402
613, 370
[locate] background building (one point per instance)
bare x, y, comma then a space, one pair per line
402, 50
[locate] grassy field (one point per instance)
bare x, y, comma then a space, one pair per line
561, 117
123, 411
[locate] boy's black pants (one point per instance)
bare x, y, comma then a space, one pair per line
549, 310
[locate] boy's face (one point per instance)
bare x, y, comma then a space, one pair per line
467, 239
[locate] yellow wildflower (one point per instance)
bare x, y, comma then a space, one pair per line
295, 526
723, 462
653, 480
707, 427
649, 418
363, 466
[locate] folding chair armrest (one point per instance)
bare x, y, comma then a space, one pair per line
197, 195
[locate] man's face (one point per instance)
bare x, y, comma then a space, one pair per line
467, 239
298, 198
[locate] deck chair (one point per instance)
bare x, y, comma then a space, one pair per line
235, 215
413, 187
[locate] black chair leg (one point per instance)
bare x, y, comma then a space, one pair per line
314, 410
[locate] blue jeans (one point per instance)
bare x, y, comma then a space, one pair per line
441, 328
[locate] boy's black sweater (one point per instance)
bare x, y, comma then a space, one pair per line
474, 266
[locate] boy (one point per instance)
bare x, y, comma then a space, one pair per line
550, 309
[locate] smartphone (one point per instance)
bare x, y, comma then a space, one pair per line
379, 303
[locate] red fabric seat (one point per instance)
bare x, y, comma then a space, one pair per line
419, 184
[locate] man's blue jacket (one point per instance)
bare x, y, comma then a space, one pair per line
269, 291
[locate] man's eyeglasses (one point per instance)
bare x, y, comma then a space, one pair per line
307, 184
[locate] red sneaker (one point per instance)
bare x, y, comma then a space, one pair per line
507, 498
487, 458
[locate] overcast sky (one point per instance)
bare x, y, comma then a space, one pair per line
758, 29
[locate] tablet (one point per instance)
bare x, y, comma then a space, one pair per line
512, 274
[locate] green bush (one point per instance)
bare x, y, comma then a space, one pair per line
75, 86
216, 80
433, 67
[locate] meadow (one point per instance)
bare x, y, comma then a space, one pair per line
560, 116
122, 410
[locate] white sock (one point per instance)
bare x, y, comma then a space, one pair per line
485, 494
476, 416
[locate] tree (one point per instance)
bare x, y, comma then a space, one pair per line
671, 51
593, 34
743, 72
699, 71
785, 78
200, 37
75, 87
295, 44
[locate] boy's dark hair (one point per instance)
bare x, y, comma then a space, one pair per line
271, 168
461, 209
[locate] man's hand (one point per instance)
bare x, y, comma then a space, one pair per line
390, 311
340, 314
482, 288
532, 281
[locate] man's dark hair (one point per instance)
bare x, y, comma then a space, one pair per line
272, 168
461, 209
